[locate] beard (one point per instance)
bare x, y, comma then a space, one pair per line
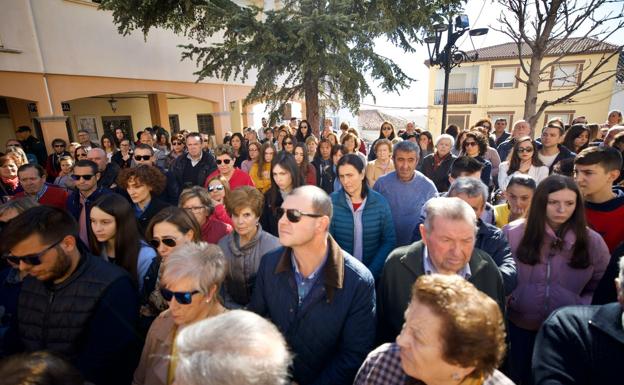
61, 266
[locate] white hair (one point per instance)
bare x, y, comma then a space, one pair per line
236, 348
447, 137
203, 262
448, 208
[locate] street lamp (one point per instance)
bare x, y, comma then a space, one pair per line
113, 103
450, 56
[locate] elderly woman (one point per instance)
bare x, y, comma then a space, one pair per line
437, 166
383, 163
196, 200
9, 182
225, 168
244, 247
191, 278
453, 334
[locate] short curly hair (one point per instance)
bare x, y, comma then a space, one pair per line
244, 196
143, 174
481, 140
224, 149
473, 331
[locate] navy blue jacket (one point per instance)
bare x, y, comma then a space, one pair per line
492, 240
334, 328
564, 153
74, 206
378, 238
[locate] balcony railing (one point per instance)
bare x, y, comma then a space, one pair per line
456, 96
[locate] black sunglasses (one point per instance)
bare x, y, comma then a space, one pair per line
226, 161
31, 259
183, 297
217, 187
294, 215
142, 157
288, 143
85, 177
169, 242
177, 143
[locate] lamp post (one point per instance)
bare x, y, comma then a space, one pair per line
450, 56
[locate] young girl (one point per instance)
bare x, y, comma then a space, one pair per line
254, 153
560, 262
108, 145
115, 236
261, 170
305, 168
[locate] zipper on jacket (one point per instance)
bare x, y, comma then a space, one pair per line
45, 319
547, 292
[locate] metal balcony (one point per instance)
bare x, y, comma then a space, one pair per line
456, 96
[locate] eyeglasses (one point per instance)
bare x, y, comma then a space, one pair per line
470, 144
226, 161
525, 149
288, 143
183, 297
142, 157
85, 177
294, 215
217, 187
195, 209
31, 259
169, 242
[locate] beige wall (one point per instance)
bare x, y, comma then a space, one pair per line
593, 104
6, 131
187, 110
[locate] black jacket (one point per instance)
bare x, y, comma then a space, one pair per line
153, 208
36, 147
492, 240
439, 176
75, 207
269, 219
580, 345
564, 153
97, 333
108, 178
206, 165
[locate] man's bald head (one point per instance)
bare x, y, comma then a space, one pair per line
98, 156
317, 197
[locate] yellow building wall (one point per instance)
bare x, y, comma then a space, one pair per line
187, 111
593, 104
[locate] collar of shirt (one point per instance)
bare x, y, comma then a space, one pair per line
40, 193
305, 284
195, 161
137, 210
429, 268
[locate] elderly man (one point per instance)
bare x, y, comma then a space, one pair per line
32, 177
72, 303
108, 171
84, 138
193, 168
582, 344
447, 247
236, 348
406, 190
520, 128
321, 298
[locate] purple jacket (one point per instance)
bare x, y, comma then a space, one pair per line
552, 283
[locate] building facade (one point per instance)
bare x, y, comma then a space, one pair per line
489, 87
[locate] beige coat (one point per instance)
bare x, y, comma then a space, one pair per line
154, 365
374, 171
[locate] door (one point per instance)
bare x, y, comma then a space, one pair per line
111, 123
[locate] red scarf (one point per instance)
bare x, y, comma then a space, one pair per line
12, 182
437, 160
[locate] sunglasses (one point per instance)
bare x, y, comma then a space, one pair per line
142, 157
294, 215
288, 143
182, 297
525, 149
169, 242
467, 144
177, 143
226, 161
386, 128
85, 177
31, 259
217, 187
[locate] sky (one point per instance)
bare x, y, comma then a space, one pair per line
413, 100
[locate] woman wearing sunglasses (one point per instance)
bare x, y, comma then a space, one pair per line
303, 131
196, 200
80, 153
244, 247
362, 222
285, 177
523, 159
288, 143
260, 171
218, 189
191, 279
225, 168
178, 147
169, 229
143, 184
475, 145
115, 237
385, 132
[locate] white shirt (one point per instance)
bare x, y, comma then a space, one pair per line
538, 173
547, 159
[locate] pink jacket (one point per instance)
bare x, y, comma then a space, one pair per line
552, 283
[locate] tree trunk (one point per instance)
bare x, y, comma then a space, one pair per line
530, 98
311, 91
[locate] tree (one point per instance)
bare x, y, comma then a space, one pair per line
312, 49
553, 28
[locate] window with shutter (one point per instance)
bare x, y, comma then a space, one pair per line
504, 77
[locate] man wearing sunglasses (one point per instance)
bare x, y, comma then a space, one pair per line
79, 202
71, 303
319, 296
32, 177
53, 164
144, 154
193, 168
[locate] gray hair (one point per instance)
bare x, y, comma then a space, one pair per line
202, 262
200, 193
321, 202
448, 208
406, 146
447, 137
19, 205
235, 348
471, 187
99, 150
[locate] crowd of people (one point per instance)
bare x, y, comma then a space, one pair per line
479, 256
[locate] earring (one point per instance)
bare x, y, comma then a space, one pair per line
455, 376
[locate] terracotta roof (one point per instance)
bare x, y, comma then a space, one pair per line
371, 120
572, 45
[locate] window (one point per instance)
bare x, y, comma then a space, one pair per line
460, 119
504, 77
507, 115
565, 75
205, 124
565, 116
174, 123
